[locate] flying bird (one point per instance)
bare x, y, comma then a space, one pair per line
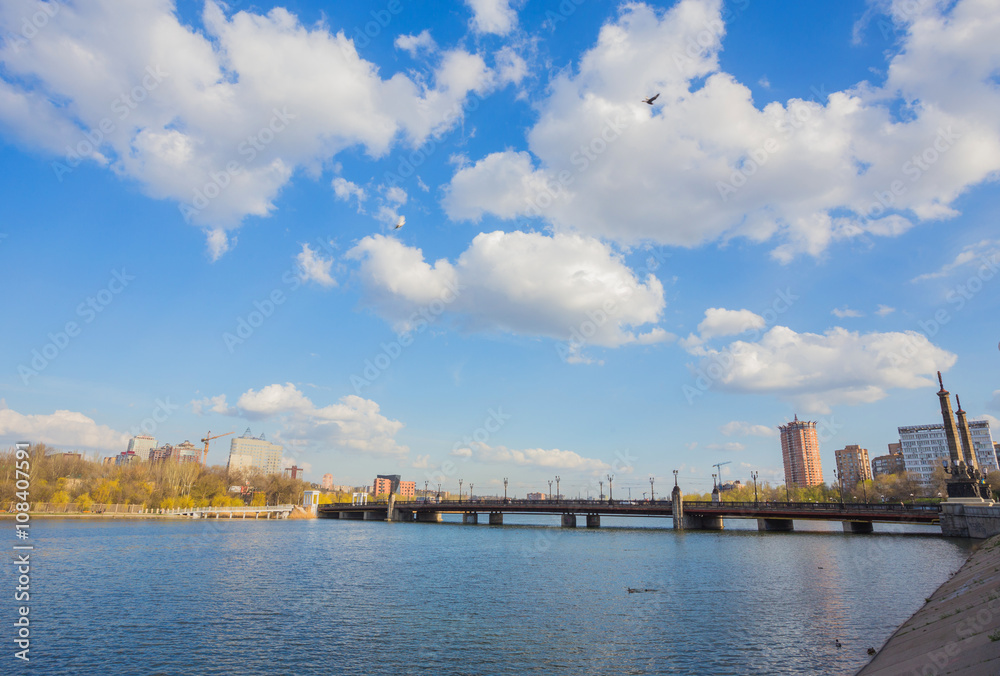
400, 222
651, 99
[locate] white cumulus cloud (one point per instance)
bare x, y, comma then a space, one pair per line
706, 163
314, 268
351, 424
532, 457
817, 371
66, 429
739, 428
565, 287
218, 119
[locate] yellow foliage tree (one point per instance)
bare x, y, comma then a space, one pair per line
83, 502
60, 497
259, 500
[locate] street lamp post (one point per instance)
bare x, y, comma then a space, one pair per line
439, 491
862, 472
425, 490
601, 496
754, 474
611, 491
470, 491
550, 489
651, 495
839, 476
505, 489
558, 494
459, 490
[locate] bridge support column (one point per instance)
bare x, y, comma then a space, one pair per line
775, 524
496, 518
569, 520
470, 518
593, 521
369, 516
711, 522
677, 507
858, 527
429, 517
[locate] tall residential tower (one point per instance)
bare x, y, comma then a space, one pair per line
800, 453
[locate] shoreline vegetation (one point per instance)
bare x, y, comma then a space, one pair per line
73, 485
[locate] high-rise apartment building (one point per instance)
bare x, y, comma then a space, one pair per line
140, 445
852, 465
248, 452
926, 446
327, 482
800, 453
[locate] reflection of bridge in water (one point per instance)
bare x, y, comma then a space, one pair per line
686, 515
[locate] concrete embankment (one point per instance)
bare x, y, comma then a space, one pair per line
958, 629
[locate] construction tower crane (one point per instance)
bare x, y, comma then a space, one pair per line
208, 438
717, 466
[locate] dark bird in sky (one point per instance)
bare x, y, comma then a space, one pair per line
400, 222
651, 99
871, 651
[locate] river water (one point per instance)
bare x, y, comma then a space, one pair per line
350, 597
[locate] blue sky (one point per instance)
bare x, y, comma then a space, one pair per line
200, 200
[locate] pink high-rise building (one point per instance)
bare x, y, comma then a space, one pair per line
800, 453
327, 482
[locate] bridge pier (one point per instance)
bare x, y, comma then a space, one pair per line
470, 518
569, 520
695, 522
496, 518
711, 523
593, 521
368, 516
858, 527
429, 517
775, 524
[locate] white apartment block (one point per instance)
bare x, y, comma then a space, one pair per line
926, 446
141, 445
250, 451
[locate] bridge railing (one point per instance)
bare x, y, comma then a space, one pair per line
877, 508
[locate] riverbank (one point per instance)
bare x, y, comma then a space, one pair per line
958, 629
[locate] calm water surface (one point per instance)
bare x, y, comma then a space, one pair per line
350, 597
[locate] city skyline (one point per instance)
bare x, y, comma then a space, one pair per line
465, 245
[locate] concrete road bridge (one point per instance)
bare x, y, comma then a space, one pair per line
685, 515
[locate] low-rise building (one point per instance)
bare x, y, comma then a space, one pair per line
892, 463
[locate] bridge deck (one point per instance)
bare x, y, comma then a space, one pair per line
889, 513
